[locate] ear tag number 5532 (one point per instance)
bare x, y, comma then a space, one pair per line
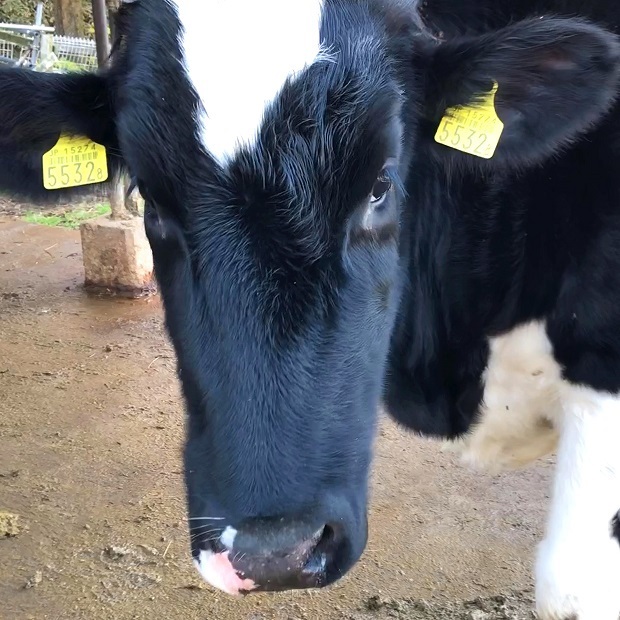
74, 161
474, 129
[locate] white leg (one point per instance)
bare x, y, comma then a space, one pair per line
578, 564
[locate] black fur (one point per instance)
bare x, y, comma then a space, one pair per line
290, 317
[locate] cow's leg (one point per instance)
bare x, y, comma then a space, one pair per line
578, 564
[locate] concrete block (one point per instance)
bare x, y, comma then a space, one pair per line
117, 257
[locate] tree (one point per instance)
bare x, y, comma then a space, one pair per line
22, 12
112, 6
69, 18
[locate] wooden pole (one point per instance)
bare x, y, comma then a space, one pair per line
100, 19
116, 252
117, 186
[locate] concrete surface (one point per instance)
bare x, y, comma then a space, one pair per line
117, 256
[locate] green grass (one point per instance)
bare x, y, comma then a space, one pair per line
68, 65
67, 219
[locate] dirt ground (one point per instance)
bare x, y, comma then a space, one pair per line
91, 499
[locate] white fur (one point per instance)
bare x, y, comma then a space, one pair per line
521, 403
528, 411
578, 565
228, 537
237, 55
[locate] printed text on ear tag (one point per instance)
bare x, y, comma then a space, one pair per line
474, 129
74, 161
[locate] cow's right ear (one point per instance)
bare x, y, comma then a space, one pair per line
35, 110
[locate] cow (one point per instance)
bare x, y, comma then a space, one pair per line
363, 203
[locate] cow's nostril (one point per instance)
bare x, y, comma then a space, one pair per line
321, 553
325, 540
307, 547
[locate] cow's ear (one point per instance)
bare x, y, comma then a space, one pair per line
35, 110
547, 80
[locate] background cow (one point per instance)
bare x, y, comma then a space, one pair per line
325, 238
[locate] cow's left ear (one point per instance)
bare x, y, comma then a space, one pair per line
536, 86
36, 111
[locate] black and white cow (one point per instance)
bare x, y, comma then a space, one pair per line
321, 247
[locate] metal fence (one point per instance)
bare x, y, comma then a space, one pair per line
20, 44
38, 48
81, 53
8, 50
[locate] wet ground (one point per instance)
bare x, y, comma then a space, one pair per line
92, 521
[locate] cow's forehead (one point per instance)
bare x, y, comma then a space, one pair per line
238, 54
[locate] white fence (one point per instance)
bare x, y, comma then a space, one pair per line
39, 49
79, 52
7, 49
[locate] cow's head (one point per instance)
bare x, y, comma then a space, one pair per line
274, 151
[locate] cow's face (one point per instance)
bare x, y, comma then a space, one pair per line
275, 214
280, 267
281, 289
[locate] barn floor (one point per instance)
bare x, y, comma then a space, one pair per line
92, 521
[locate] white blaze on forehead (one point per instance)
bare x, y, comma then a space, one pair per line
238, 54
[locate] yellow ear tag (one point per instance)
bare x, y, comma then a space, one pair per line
74, 161
474, 129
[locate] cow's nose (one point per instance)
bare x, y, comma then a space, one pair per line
267, 556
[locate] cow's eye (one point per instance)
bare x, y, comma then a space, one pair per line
380, 189
378, 212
